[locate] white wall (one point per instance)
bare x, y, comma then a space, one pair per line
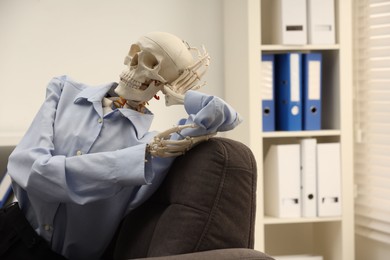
88, 39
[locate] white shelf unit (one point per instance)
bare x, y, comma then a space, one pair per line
8, 141
246, 35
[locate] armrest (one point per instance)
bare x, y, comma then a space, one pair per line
206, 202
220, 254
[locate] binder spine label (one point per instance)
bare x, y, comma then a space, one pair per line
314, 74
267, 91
295, 72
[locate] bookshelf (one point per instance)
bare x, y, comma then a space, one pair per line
8, 141
247, 26
7, 144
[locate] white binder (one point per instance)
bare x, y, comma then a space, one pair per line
282, 181
289, 21
321, 21
298, 257
309, 177
328, 179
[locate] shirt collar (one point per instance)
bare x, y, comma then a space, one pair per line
94, 94
140, 121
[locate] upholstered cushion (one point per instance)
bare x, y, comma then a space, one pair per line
219, 254
206, 202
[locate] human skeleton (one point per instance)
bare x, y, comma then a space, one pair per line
162, 62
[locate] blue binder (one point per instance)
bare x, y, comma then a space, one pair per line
288, 85
5, 189
311, 68
268, 92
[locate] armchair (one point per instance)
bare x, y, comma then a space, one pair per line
204, 209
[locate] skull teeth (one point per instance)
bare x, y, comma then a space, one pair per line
128, 81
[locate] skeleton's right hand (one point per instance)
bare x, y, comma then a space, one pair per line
163, 146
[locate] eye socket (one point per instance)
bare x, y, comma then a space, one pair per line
134, 49
133, 54
134, 60
149, 60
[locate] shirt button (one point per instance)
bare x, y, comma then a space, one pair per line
47, 227
100, 120
79, 152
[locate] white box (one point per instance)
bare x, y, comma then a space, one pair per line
321, 22
328, 179
289, 22
282, 181
298, 257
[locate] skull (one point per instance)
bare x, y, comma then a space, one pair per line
157, 58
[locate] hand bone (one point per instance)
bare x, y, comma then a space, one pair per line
175, 91
162, 146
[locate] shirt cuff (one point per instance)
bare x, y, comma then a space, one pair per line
131, 168
194, 101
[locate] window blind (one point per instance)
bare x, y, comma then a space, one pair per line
372, 118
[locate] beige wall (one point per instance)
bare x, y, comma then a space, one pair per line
367, 249
88, 40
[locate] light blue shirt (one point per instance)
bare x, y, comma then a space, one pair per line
77, 172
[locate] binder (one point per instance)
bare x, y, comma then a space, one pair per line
311, 91
282, 181
309, 177
5, 189
321, 21
298, 257
267, 92
288, 84
289, 21
328, 179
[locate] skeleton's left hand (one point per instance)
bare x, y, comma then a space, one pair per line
162, 146
175, 91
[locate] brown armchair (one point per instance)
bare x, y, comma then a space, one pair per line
205, 209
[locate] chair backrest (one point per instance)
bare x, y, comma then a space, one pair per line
206, 202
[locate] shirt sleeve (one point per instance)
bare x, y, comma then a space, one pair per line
210, 113
78, 179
